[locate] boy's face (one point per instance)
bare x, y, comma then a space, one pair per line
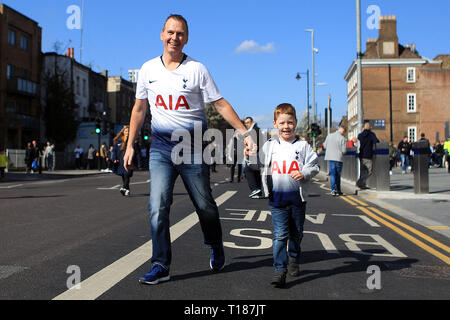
286, 124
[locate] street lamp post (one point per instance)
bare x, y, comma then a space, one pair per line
298, 77
313, 50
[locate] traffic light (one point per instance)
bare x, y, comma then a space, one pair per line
146, 135
98, 126
315, 130
105, 128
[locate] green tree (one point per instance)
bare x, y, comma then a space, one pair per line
59, 110
215, 120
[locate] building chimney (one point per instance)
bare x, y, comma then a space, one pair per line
387, 37
71, 53
68, 52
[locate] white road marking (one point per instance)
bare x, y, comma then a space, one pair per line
10, 187
105, 279
117, 186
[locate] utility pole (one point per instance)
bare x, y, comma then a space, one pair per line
329, 115
81, 30
358, 64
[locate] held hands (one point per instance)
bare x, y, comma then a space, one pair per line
297, 175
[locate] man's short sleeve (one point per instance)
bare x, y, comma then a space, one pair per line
208, 87
141, 90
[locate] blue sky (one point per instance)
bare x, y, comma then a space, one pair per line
122, 35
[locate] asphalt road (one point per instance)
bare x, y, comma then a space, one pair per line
55, 233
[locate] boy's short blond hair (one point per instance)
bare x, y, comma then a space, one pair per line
284, 108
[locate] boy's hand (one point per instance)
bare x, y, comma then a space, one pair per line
297, 175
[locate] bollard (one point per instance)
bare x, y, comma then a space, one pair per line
380, 178
421, 162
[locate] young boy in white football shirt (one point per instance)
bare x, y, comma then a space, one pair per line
289, 165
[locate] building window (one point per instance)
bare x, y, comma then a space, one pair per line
24, 42
78, 85
412, 134
84, 88
411, 102
9, 71
11, 37
411, 75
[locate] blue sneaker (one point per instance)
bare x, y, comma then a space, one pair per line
156, 275
217, 261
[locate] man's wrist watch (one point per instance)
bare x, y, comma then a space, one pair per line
246, 134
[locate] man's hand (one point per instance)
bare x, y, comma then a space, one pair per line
297, 175
128, 159
250, 146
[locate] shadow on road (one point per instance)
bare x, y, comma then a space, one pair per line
361, 264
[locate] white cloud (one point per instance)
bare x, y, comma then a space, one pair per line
254, 47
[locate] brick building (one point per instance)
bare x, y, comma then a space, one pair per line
20, 72
403, 93
121, 97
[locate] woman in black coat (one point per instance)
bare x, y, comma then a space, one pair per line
120, 145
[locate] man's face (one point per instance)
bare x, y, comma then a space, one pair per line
248, 123
174, 36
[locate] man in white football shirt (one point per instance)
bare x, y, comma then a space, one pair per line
176, 87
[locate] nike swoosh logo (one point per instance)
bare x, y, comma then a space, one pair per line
152, 81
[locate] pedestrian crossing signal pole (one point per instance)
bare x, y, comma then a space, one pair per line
98, 131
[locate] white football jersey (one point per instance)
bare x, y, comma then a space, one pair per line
177, 99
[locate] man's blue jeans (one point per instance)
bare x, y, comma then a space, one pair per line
287, 232
335, 175
405, 161
163, 173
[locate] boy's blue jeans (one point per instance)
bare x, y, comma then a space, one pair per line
287, 234
163, 173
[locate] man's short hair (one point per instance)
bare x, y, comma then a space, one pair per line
179, 18
251, 119
284, 108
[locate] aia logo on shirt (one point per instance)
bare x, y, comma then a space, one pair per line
276, 168
181, 103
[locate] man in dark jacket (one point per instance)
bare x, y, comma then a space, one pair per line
367, 140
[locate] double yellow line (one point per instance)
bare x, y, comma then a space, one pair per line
383, 218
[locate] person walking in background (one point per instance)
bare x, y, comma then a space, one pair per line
352, 142
252, 170
4, 161
120, 146
392, 152
28, 158
404, 147
235, 156
367, 140
91, 157
438, 154
447, 153
335, 148
78, 156
36, 156
109, 159
48, 156
103, 151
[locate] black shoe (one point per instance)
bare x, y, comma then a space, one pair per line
122, 191
279, 279
293, 269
